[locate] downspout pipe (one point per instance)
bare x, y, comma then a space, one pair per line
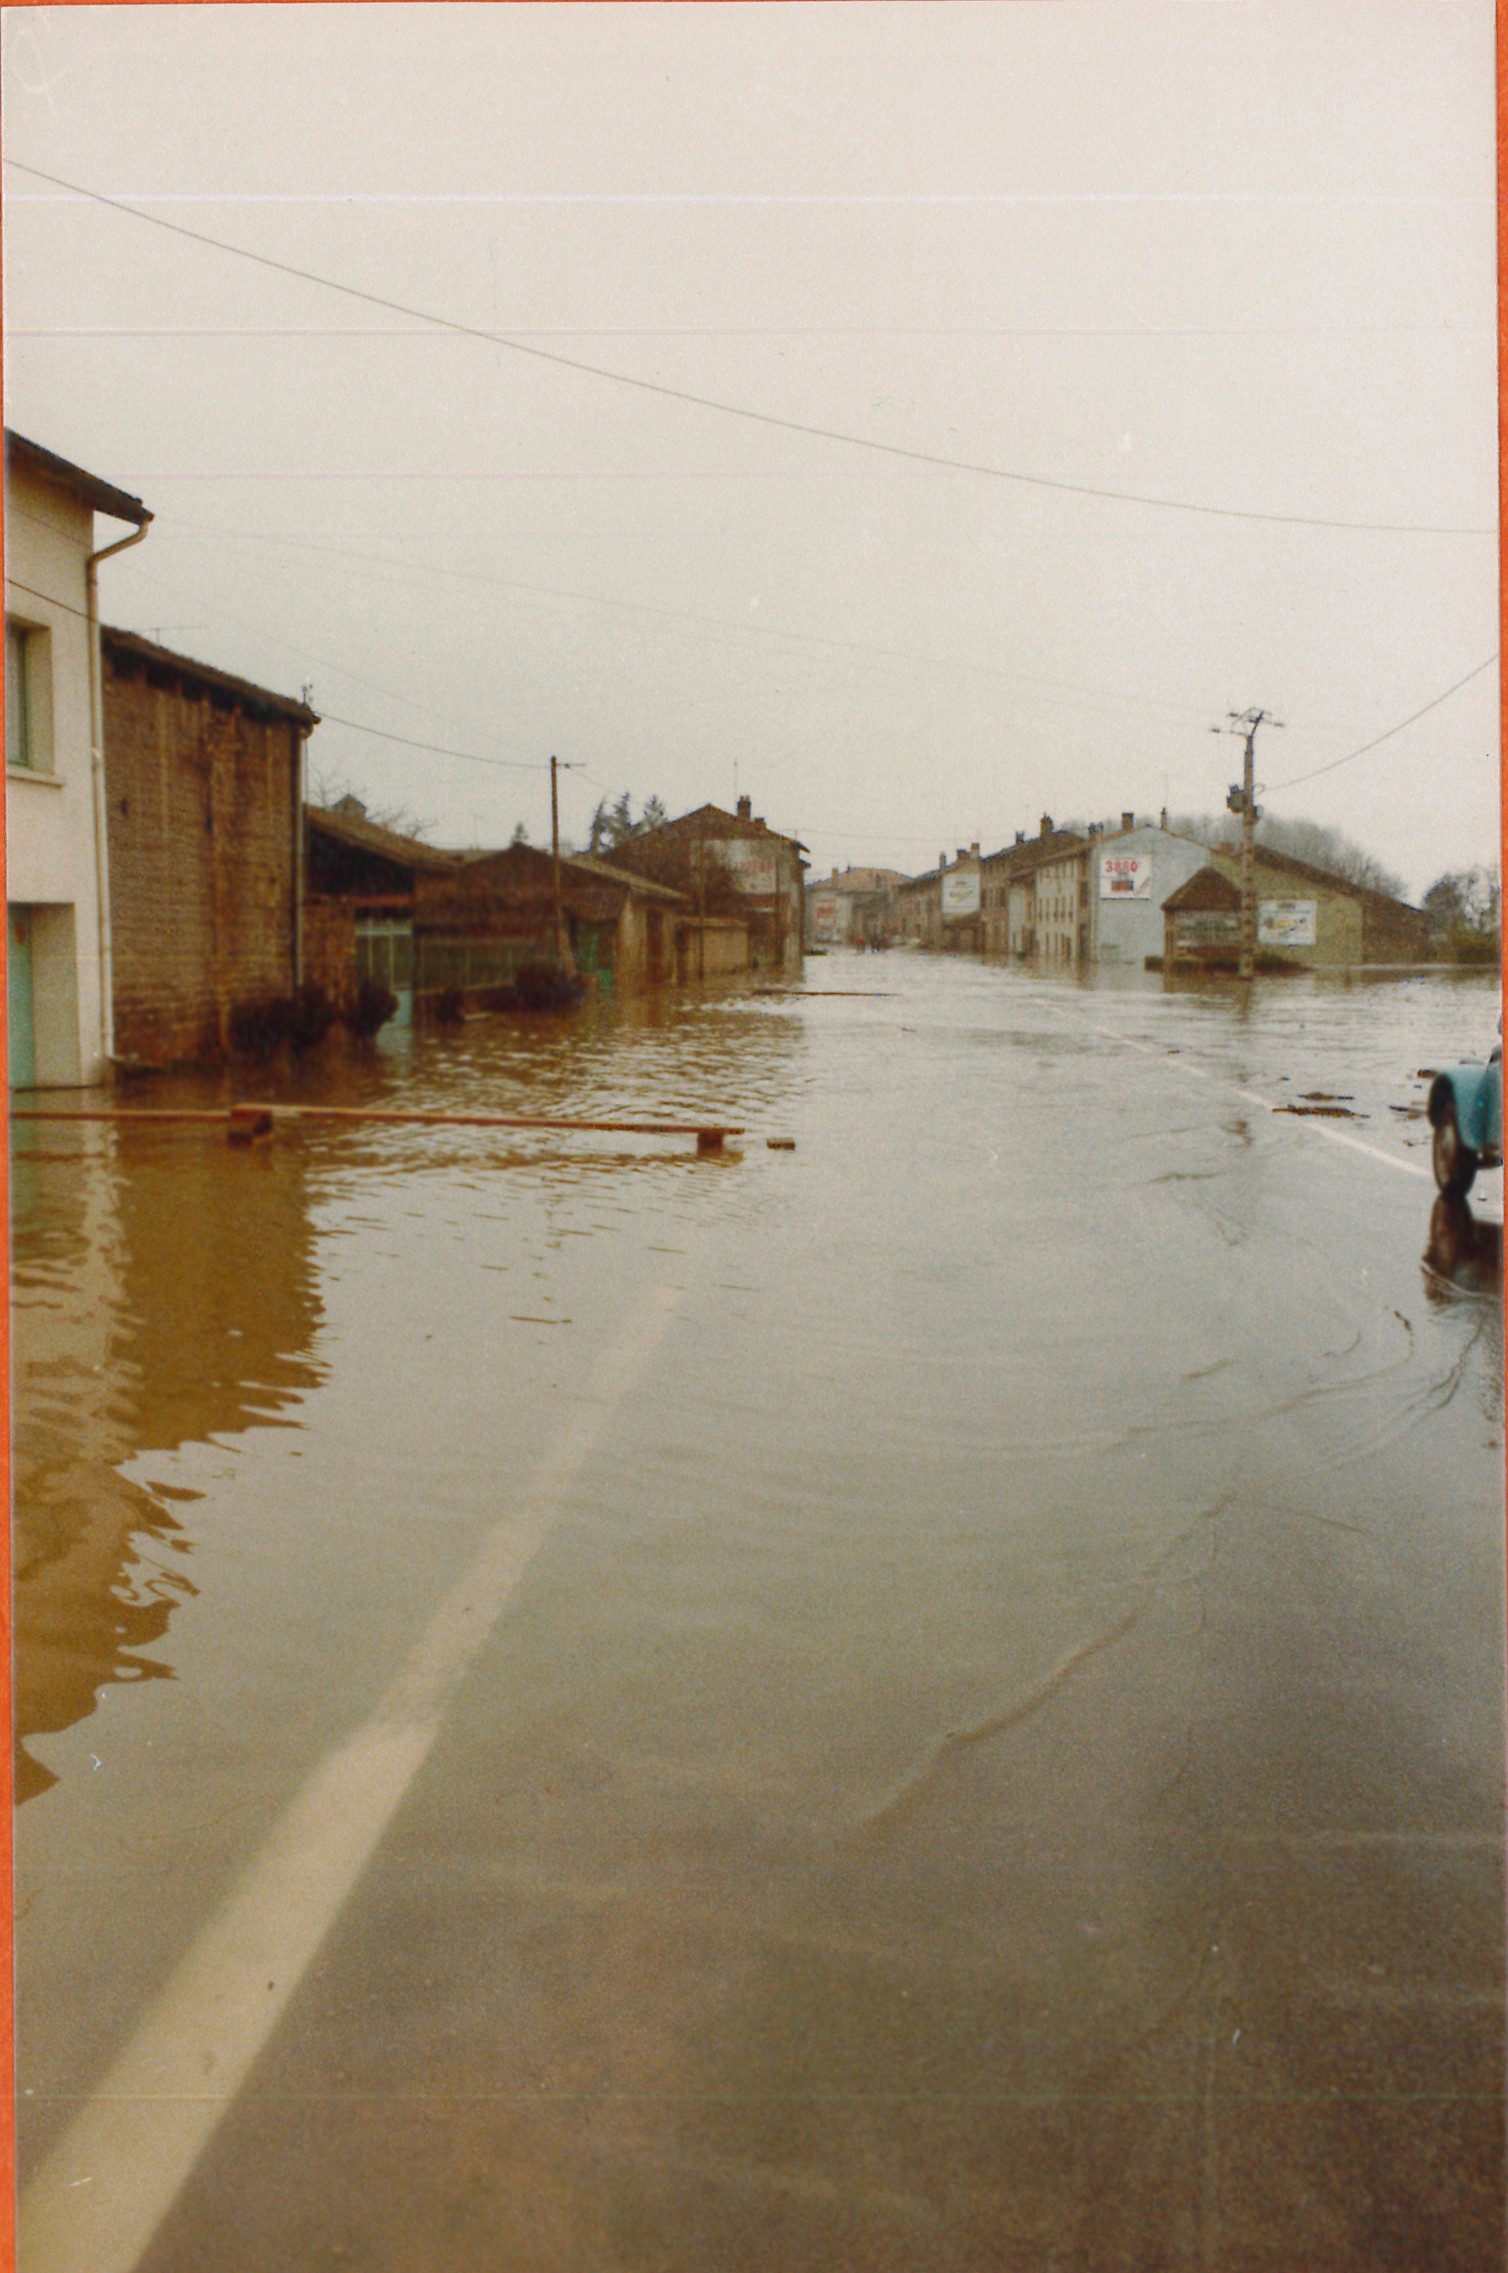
97, 778
300, 747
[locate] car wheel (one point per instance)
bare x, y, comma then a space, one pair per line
1454, 1161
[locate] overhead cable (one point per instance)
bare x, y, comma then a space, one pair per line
1294, 778
740, 410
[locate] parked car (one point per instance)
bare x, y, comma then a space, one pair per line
1466, 1114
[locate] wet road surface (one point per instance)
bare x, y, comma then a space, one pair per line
935, 1700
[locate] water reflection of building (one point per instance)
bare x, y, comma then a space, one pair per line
164, 1293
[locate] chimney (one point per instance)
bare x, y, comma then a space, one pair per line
745, 808
1046, 824
1162, 824
974, 850
942, 860
1021, 836
1128, 821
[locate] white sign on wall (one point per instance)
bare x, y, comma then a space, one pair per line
1286, 923
960, 892
1125, 876
751, 866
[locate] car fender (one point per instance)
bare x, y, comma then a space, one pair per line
1476, 1091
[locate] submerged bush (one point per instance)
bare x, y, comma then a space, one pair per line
260, 1025
311, 1015
447, 1009
545, 986
372, 1006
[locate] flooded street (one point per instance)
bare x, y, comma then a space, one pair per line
930, 1700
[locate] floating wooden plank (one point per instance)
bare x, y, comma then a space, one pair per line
250, 1119
717, 1130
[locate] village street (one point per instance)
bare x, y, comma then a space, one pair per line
930, 1700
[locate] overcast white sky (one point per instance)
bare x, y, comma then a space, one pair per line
1231, 254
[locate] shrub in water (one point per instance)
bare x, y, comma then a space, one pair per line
545, 986
313, 1014
447, 1007
373, 1006
261, 1025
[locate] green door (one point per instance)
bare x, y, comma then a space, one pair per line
22, 1024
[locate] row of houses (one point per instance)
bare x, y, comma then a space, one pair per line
1140, 896
166, 873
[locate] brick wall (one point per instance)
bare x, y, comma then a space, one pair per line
201, 800
330, 948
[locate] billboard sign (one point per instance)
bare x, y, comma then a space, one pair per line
960, 892
1286, 923
825, 915
1125, 876
751, 866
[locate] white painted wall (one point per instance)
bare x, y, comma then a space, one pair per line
50, 818
1127, 931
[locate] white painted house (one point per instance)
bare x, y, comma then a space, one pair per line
56, 879
1130, 876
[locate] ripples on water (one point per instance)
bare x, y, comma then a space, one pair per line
947, 1714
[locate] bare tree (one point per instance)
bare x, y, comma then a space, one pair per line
1312, 841
328, 787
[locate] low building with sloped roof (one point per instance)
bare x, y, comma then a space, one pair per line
361, 886
203, 775
1310, 917
478, 923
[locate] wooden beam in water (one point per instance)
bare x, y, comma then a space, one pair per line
248, 1120
417, 1119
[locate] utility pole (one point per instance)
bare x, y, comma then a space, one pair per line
562, 944
1242, 799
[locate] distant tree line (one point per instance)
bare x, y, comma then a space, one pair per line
1326, 848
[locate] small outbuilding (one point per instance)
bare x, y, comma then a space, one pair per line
480, 921
1202, 923
361, 886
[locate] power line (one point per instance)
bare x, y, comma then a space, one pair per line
738, 410
1295, 778
434, 749
326, 717
406, 571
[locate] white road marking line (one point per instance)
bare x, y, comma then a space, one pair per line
1312, 1125
141, 2132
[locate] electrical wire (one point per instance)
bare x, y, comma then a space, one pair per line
407, 570
739, 410
326, 717
435, 749
1295, 778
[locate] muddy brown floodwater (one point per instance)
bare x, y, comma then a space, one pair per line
933, 1700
